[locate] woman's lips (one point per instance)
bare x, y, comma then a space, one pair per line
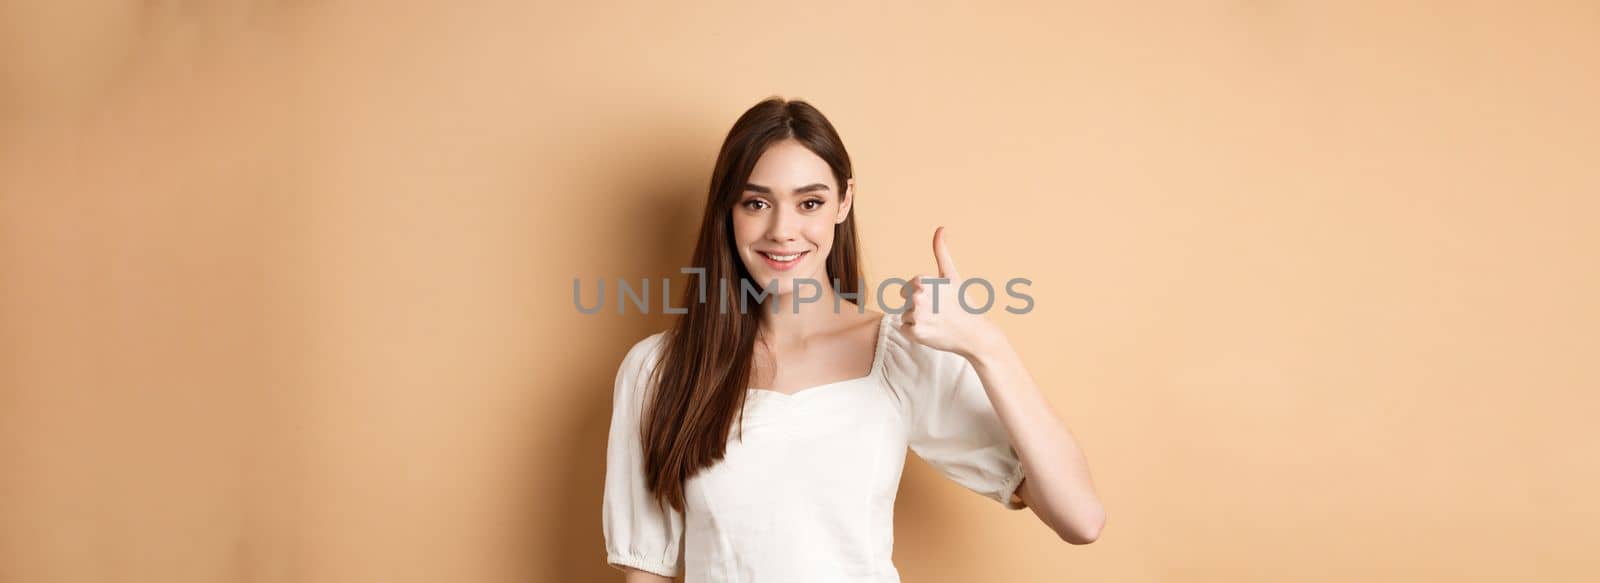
782, 265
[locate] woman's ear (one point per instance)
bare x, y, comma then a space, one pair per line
848, 200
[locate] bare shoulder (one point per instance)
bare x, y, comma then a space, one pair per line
862, 325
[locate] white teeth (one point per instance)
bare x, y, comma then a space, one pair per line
783, 258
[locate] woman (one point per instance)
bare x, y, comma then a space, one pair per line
765, 443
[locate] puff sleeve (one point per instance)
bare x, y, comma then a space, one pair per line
638, 533
951, 423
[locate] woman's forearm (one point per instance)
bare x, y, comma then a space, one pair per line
1056, 483
637, 576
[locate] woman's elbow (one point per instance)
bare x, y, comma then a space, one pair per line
1080, 539
1085, 533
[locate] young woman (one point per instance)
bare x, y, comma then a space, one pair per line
764, 441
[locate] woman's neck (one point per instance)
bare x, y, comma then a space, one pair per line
789, 325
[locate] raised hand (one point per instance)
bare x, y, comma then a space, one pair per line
944, 324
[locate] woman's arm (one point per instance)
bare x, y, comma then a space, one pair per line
636, 576
1056, 486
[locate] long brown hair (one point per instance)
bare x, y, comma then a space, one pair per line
704, 373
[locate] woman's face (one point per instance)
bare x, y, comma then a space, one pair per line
789, 207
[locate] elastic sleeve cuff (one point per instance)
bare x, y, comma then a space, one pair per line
1009, 488
619, 561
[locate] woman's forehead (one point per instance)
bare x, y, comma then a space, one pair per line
789, 167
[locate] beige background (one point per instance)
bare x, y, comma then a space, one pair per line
287, 285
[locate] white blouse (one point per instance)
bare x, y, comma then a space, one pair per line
808, 493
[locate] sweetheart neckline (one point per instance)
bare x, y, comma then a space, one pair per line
877, 363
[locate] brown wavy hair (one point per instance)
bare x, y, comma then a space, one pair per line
701, 383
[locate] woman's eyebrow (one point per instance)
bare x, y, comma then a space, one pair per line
802, 190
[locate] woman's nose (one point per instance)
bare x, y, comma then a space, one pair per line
782, 226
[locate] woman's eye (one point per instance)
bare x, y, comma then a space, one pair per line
809, 205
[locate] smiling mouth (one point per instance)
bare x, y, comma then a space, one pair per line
782, 258
782, 262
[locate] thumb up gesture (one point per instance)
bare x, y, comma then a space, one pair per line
933, 313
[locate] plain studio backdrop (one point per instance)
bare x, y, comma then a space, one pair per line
286, 287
